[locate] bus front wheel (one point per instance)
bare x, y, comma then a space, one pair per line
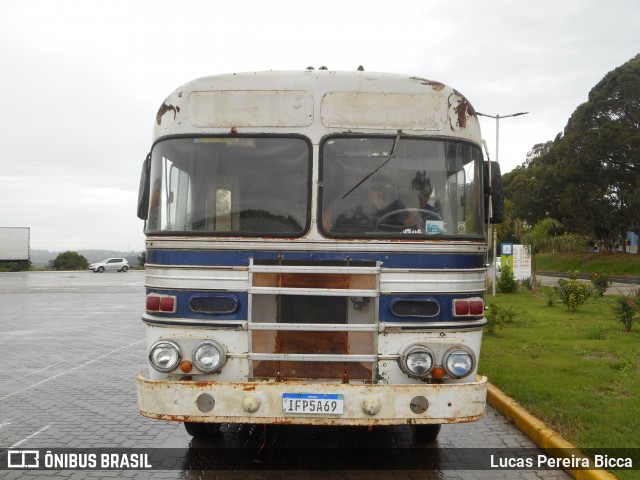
201, 430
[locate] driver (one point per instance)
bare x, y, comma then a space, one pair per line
379, 203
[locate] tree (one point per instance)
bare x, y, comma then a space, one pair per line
70, 261
534, 187
142, 258
589, 176
602, 139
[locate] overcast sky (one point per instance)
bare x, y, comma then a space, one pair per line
82, 81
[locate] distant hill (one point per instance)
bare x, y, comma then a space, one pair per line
41, 258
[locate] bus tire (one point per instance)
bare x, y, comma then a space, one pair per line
426, 433
201, 430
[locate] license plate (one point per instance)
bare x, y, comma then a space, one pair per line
313, 403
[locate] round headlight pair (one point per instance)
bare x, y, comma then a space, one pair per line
418, 361
208, 356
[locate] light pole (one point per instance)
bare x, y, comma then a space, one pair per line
495, 232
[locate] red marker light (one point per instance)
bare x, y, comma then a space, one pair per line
468, 307
461, 308
476, 306
167, 304
161, 303
153, 303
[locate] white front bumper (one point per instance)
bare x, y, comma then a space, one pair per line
261, 402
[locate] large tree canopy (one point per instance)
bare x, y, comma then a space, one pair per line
588, 177
70, 261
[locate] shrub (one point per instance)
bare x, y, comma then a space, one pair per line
17, 266
627, 309
600, 282
497, 317
495, 320
526, 283
573, 293
507, 282
550, 300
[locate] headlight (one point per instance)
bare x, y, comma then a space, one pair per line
459, 362
416, 361
164, 356
209, 356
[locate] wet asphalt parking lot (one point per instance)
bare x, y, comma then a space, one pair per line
73, 343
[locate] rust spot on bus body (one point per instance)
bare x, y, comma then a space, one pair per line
316, 420
314, 280
284, 371
437, 86
164, 108
463, 109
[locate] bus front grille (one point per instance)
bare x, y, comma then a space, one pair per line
313, 322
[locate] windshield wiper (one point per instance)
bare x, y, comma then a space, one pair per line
369, 175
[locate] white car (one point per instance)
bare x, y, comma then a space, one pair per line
117, 264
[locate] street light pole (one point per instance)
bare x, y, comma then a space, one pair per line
495, 231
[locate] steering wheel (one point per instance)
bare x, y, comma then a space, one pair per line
429, 214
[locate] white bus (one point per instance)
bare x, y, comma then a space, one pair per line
316, 252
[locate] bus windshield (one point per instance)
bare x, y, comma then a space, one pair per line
230, 186
399, 186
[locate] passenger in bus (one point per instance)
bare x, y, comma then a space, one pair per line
422, 186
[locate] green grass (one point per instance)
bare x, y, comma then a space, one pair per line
579, 371
584, 262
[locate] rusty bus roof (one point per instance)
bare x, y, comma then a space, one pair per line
316, 102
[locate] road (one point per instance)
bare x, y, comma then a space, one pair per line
616, 288
73, 343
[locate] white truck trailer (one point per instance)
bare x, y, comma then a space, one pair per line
14, 243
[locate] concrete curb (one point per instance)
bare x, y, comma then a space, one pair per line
540, 434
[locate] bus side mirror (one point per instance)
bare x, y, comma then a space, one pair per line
143, 191
493, 191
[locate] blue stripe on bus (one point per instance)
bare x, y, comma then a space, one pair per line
445, 302
389, 260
